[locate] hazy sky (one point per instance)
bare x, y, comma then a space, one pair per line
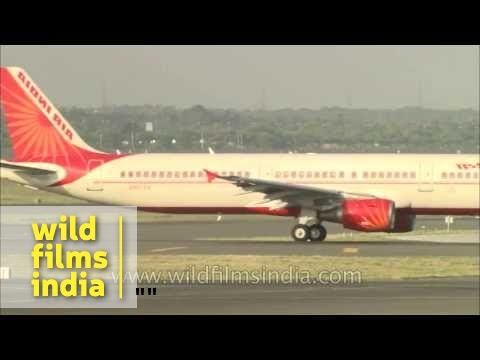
253, 76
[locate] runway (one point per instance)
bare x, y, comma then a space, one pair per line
272, 238
427, 296
448, 296
456, 295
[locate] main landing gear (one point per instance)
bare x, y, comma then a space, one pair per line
306, 233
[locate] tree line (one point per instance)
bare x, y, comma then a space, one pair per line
168, 129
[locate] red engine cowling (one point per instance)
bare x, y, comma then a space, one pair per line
369, 215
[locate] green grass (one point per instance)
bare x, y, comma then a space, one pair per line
15, 194
365, 268
370, 268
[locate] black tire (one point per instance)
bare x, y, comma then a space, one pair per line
301, 233
318, 233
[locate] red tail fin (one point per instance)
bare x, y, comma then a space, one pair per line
37, 129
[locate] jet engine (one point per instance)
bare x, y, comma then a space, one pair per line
367, 215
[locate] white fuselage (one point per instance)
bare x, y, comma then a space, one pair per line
49, 154
435, 184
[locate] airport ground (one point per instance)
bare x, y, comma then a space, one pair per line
446, 296
430, 271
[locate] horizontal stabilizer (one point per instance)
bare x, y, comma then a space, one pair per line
29, 170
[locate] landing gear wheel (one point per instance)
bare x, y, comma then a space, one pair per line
301, 233
318, 232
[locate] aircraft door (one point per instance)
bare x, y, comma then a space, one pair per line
425, 178
94, 175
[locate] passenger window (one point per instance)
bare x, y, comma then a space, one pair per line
302, 174
467, 175
397, 175
405, 175
192, 174
285, 174
452, 175
122, 174
381, 175
200, 174
341, 175
169, 174
161, 174
177, 174
278, 174
247, 174
138, 174
389, 175
444, 175
325, 174
154, 174
130, 174
317, 174
146, 173
459, 175
373, 175
413, 175
309, 174
185, 174
354, 175
365, 175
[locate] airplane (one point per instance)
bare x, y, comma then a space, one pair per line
363, 192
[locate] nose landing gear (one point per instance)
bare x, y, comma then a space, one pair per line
312, 233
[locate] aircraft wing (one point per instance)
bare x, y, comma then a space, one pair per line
291, 194
27, 170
